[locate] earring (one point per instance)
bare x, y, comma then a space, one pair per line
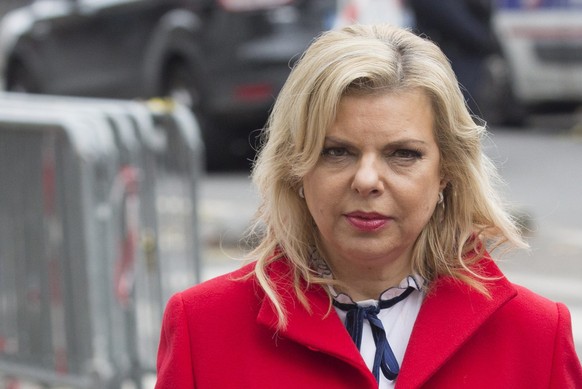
301, 194
441, 198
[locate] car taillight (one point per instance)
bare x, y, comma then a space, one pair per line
251, 5
254, 92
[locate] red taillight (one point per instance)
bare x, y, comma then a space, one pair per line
254, 92
251, 5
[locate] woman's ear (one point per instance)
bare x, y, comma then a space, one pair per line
443, 184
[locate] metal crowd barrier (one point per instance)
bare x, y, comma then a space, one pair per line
98, 227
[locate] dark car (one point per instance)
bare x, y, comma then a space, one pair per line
226, 59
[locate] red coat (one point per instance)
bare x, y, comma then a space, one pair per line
220, 335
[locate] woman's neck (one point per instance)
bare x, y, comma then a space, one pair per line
361, 283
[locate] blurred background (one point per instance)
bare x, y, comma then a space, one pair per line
127, 132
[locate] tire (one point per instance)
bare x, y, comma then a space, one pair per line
181, 85
497, 100
20, 79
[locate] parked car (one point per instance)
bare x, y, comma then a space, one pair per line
226, 59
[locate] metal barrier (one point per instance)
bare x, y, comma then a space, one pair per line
98, 227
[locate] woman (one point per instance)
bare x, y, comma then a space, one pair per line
372, 269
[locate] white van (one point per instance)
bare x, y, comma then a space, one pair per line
542, 43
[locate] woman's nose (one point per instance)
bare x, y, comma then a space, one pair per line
368, 179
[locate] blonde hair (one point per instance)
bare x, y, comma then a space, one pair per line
365, 59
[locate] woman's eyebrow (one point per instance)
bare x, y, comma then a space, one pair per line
336, 140
395, 143
408, 142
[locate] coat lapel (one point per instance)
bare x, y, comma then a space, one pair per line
320, 330
451, 313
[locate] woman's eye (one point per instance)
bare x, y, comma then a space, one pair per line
334, 152
407, 154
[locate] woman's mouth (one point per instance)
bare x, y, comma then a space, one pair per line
367, 221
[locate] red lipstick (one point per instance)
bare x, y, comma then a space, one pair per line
367, 221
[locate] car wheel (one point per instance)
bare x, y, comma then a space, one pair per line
181, 85
498, 102
19, 79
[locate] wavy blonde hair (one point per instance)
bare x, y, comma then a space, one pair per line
366, 59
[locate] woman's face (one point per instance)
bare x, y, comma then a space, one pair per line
377, 180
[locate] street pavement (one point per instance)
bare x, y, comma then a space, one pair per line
543, 175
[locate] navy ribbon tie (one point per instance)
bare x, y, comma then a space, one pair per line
384, 358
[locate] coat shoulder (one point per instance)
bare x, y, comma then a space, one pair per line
531, 306
229, 290
533, 324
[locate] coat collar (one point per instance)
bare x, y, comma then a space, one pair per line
451, 313
320, 330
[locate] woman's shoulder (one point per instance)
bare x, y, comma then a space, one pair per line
529, 315
506, 302
534, 306
231, 288
536, 320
